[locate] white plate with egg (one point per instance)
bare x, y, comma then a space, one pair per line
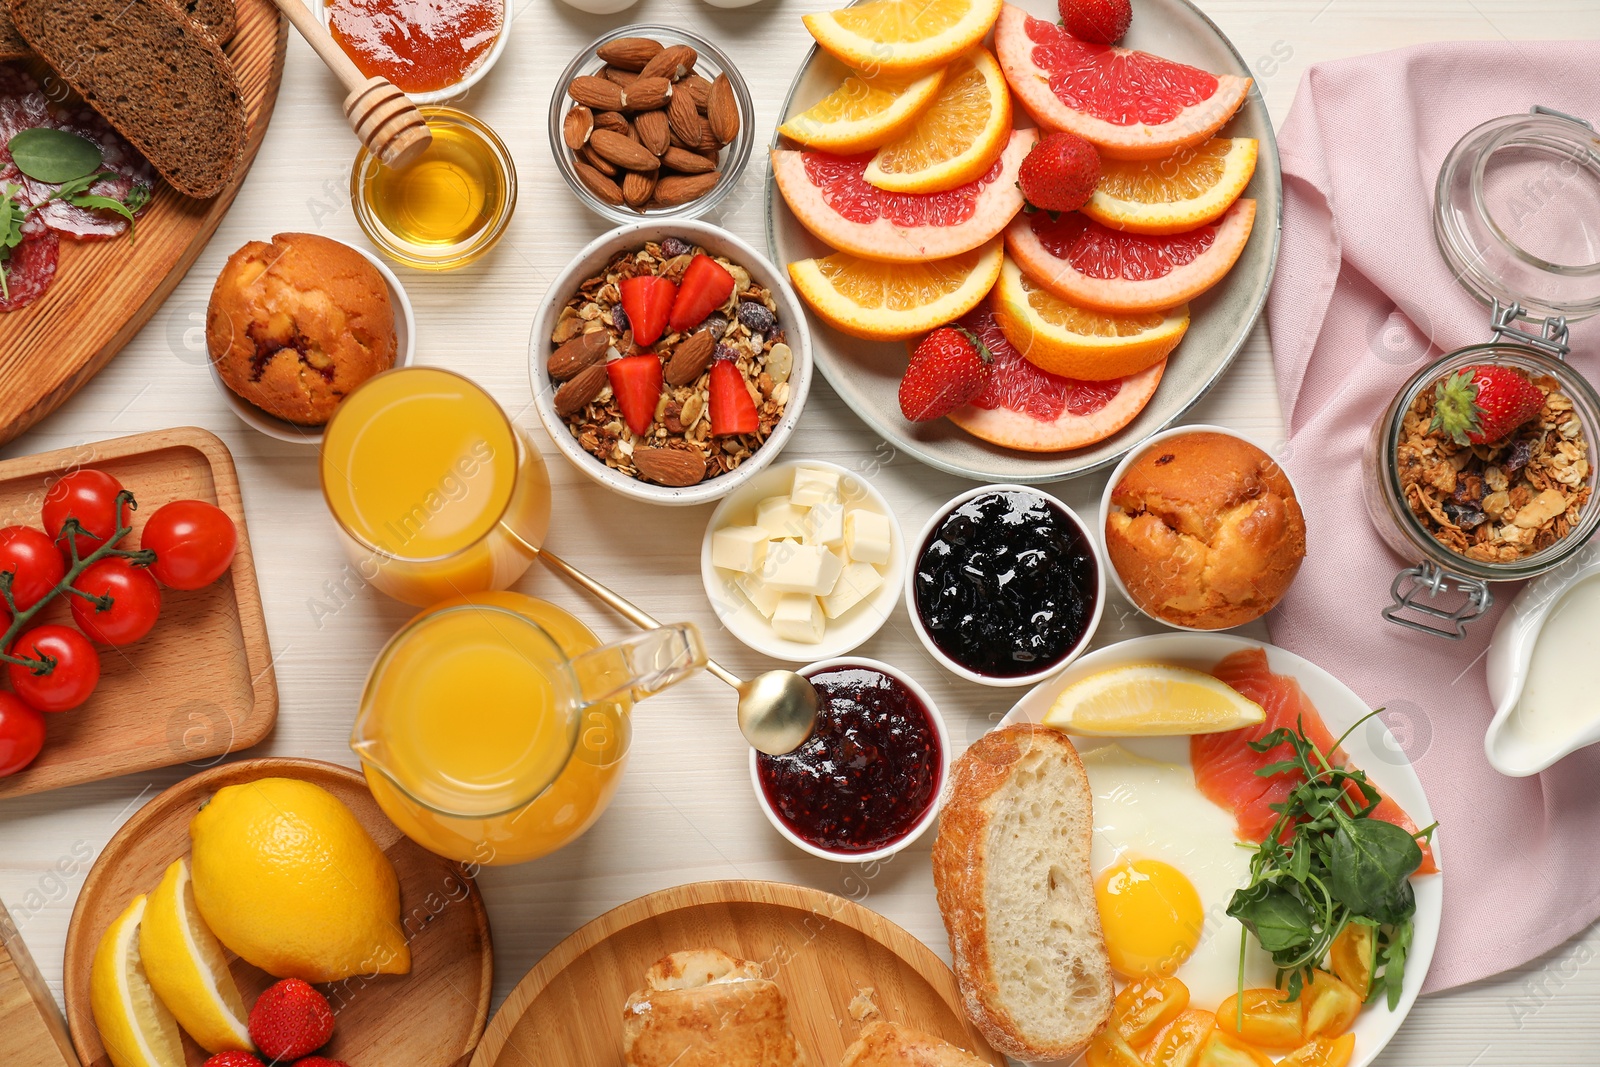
1147, 806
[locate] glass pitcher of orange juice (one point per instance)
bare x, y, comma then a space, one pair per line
436, 493
494, 727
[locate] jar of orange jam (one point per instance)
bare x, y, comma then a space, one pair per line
431, 49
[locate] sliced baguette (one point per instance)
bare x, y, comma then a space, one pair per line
153, 76
1011, 870
884, 1044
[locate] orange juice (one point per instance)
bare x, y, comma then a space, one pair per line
484, 758
435, 492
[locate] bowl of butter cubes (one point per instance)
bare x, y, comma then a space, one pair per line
804, 561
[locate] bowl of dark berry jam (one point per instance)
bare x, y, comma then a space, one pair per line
1007, 585
869, 780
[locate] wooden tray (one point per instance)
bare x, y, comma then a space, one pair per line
431, 1017
821, 949
104, 291
198, 685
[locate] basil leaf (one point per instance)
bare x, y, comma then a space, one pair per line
1277, 918
1369, 862
54, 156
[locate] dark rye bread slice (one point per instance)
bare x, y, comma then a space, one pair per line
153, 76
12, 46
215, 19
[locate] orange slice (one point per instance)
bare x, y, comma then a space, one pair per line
892, 301
896, 36
1190, 188
956, 138
1079, 343
864, 112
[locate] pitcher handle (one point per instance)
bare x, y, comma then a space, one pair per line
640, 666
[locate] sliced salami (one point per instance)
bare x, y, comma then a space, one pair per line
31, 268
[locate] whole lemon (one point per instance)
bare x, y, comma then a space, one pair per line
287, 878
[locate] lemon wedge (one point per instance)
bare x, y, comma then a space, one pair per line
187, 969
136, 1029
1149, 699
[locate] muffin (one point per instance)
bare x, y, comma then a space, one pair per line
1205, 531
295, 325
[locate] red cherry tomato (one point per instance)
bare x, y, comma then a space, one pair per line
72, 679
135, 601
32, 559
21, 733
193, 541
90, 496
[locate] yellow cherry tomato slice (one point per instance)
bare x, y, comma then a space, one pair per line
1178, 1044
1322, 1052
1144, 1007
1270, 1019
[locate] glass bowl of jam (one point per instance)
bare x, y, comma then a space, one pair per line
431, 52
1007, 585
448, 208
870, 779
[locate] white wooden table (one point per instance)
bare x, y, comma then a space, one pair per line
685, 810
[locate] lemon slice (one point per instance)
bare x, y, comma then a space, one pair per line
1148, 700
136, 1029
187, 969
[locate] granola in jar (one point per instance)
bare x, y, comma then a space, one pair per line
703, 393
1501, 482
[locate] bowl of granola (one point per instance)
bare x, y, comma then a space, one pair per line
670, 361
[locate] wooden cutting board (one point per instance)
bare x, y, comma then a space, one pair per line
104, 291
821, 950
32, 1032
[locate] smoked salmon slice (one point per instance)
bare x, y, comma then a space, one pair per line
1225, 765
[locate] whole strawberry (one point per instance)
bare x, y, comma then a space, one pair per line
1060, 172
949, 368
1099, 21
1480, 404
290, 1020
233, 1059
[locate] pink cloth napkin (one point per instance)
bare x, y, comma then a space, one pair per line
1362, 297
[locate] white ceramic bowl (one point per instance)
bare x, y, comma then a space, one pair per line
594, 257
449, 92
1106, 505
405, 335
934, 805
951, 665
843, 634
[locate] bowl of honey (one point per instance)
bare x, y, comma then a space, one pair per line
446, 209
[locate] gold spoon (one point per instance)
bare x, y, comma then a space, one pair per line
777, 709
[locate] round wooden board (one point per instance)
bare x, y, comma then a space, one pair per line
432, 1017
821, 950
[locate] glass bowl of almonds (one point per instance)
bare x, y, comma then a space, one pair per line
651, 122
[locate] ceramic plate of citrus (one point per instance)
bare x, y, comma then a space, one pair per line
432, 1016
866, 373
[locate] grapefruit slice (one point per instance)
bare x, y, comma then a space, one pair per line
1086, 264
892, 301
896, 36
1182, 192
1132, 105
954, 139
1032, 410
864, 112
830, 197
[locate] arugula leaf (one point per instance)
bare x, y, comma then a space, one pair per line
54, 156
12, 214
1277, 918
76, 192
1370, 863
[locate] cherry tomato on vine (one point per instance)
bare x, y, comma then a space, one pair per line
90, 496
32, 559
193, 541
72, 679
21, 733
135, 601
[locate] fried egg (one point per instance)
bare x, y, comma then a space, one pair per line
1166, 863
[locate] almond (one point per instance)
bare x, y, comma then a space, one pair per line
623, 78
584, 350
653, 129
637, 189
622, 150
671, 63
675, 467
647, 94
722, 110
686, 162
690, 359
685, 119
676, 189
598, 93
629, 53
597, 161
575, 395
601, 186
614, 121
577, 126
698, 88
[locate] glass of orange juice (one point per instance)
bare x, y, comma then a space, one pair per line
435, 492
494, 727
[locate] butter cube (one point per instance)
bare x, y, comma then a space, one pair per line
813, 487
739, 548
856, 582
792, 567
867, 536
780, 518
799, 618
762, 597
825, 525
